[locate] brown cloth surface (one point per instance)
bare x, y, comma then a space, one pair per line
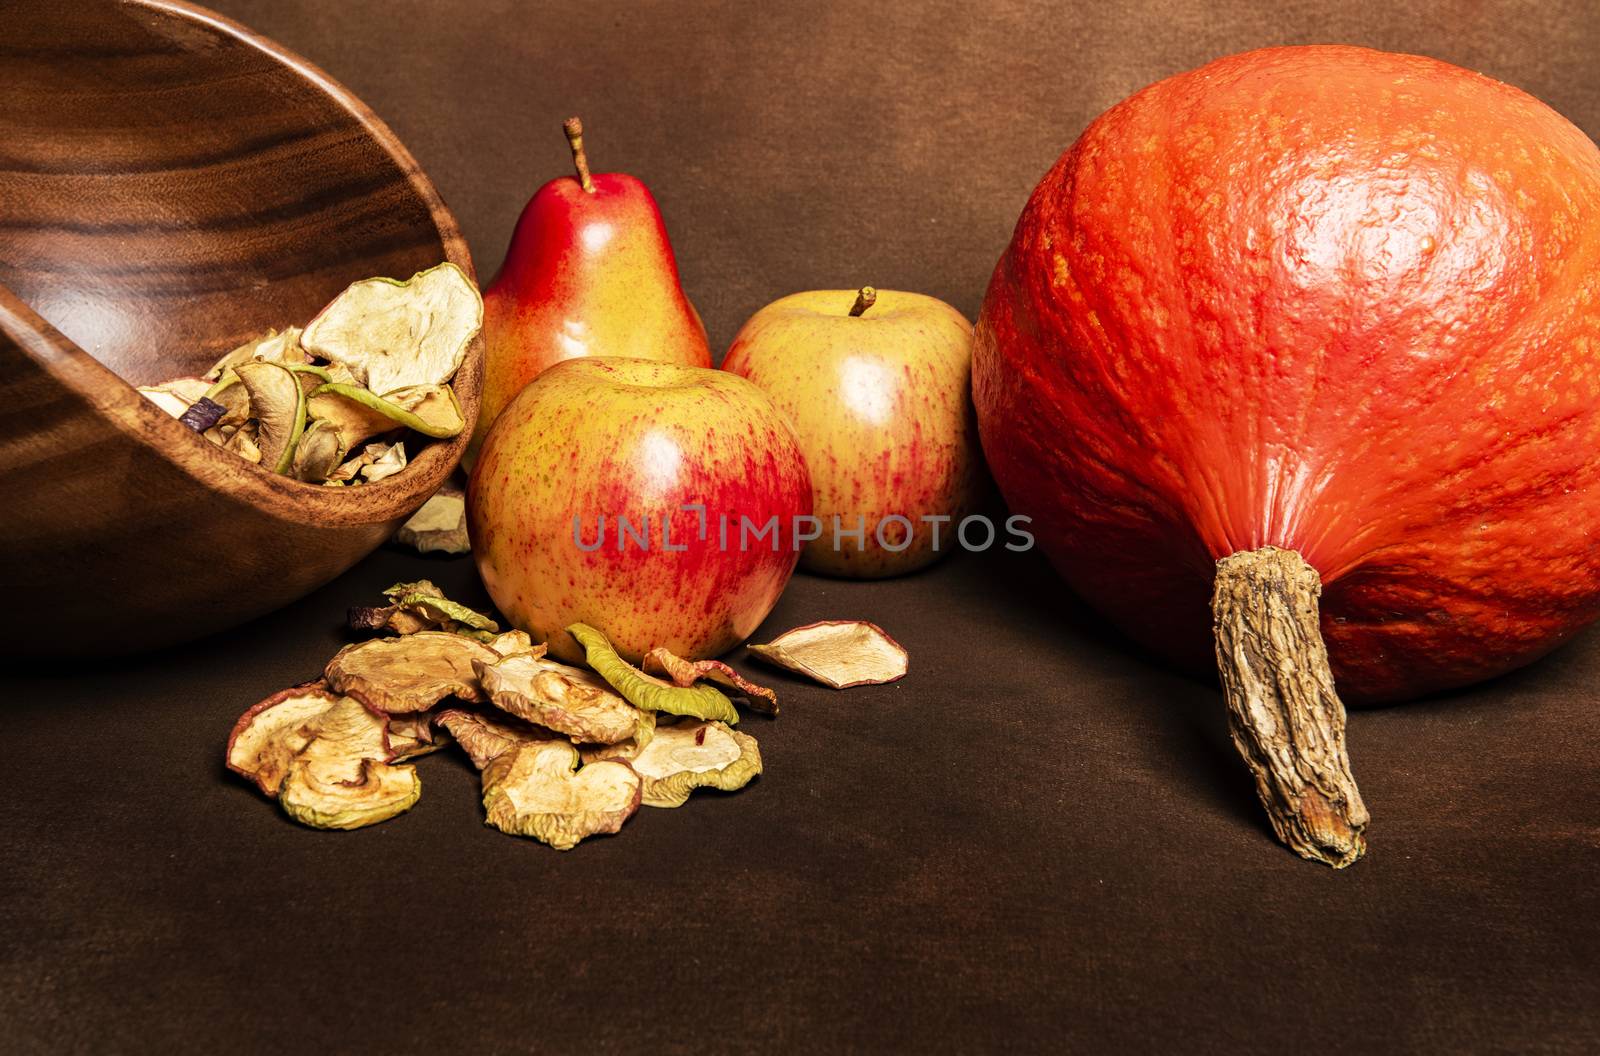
1039, 840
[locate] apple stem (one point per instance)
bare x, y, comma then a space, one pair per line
574, 130
864, 300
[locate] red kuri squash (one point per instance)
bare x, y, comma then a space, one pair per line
1314, 319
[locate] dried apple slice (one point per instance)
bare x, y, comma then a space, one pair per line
243, 443
667, 664
390, 461
409, 736
318, 453
393, 334
421, 606
431, 410
440, 525
516, 643
355, 421
538, 790
411, 673
566, 699
353, 466
699, 701
838, 653
340, 779
642, 735
279, 404
325, 758
429, 602
487, 737
176, 396
267, 737
690, 755
274, 346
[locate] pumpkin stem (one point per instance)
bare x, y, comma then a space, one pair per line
1286, 718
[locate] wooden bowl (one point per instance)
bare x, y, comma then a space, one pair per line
172, 184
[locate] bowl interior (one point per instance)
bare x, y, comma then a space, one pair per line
171, 186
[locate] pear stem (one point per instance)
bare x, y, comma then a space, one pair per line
864, 300
574, 130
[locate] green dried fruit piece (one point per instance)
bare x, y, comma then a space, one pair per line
393, 334
421, 606
429, 602
537, 789
279, 404
690, 755
566, 699
700, 701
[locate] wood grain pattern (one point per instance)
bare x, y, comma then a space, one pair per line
171, 184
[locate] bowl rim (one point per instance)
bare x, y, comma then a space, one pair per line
118, 402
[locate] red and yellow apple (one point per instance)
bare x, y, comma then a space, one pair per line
877, 384
653, 501
589, 272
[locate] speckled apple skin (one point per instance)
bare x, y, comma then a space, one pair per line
883, 408
636, 438
587, 273
1334, 300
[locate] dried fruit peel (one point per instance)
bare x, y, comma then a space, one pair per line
538, 790
690, 755
838, 653
393, 334
664, 663
565, 699
410, 673
700, 701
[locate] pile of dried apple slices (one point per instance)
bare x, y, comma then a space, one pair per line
564, 752
331, 404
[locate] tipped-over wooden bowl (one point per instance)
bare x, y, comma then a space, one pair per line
172, 184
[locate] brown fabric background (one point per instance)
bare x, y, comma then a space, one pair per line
1038, 841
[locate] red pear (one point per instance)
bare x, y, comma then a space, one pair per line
589, 272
